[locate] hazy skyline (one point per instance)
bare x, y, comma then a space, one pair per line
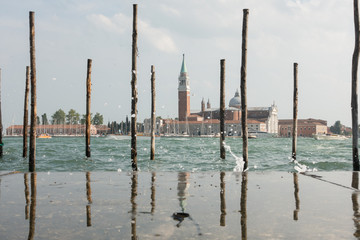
318, 35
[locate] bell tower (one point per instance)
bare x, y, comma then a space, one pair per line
184, 92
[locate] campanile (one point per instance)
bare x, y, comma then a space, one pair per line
184, 92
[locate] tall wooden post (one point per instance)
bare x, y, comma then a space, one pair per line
243, 205
33, 115
222, 108
295, 111
88, 196
88, 102
222, 199
1, 125
244, 126
32, 207
134, 95
26, 113
354, 90
153, 113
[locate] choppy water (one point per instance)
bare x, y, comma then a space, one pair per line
177, 154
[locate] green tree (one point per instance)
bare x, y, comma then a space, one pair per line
58, 117
98, 119
44, 119
83, 118
336, 128
72, 117
37, 120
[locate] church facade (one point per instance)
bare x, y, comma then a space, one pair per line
206, 121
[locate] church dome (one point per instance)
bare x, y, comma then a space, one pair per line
235, 101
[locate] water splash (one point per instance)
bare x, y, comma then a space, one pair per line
301, 168
239, 160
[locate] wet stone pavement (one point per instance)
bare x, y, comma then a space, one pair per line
179, 205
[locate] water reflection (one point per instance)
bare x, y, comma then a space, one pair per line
153, 177
297, 199
27, 196
88, 195
32, 207
354, 199
243, 200
183, 186
134, 185
222, 199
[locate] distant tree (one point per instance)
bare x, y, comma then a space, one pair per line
44, 119
72, 117
83, 118
58, 117
98, 119
336, 128
37, 120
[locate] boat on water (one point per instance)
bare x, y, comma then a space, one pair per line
43, 135
329, 137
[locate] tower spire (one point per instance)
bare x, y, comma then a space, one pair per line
183, 66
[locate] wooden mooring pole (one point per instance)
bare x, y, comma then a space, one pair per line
222, 108
33, 115
88, 102
153, 113
354, 90
244, 126
1, 125
295, 111
134, 96
26, 113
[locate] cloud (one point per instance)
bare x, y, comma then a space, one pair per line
119, 23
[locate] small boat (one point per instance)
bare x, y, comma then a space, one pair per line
329, 137
43, 135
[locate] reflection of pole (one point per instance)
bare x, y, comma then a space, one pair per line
243, 205
32, 207
354, 199
153, 177
296, 194
133, 204
222, 200
88, 195
222, 108
182, 187
27, 197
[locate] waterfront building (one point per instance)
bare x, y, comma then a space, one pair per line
305, 127
59, 130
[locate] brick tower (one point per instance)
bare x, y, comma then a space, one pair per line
184, 92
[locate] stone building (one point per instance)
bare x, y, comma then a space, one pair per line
305, 127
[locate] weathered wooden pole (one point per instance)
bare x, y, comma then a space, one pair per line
244, 126
153, 113
243, 206
134, 96
26, 113
1, 125
33, 115
153, 190
295, 111
88, 102
354, 90
134, 184
222, 108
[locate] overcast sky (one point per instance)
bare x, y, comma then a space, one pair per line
317, 34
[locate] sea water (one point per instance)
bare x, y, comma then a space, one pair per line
60, 154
